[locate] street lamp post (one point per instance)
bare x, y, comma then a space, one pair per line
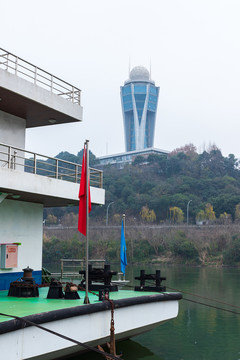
187, 210
107, 212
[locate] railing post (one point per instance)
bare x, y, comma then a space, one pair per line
76, 173
16, 65
56, 168
51, 83
7, 61
35, 164
9, 157
14, 160
72, 94
79, 99
35, 75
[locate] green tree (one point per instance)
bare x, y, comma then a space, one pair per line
188, 149
181, 246
51, 219
210, 214
201, 216
176, 214
225, 218
138, 160
148, 215
70, 219
237, 212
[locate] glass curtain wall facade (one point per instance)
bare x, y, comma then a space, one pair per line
139, 97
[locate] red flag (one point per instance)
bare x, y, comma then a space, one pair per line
82, 215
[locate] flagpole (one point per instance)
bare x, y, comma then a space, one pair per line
124, 234
123, 224
86, 300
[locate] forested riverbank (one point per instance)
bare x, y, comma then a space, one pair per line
194, 245
160, 195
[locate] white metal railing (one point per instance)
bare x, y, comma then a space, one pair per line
34, 74
28, 161
70, 267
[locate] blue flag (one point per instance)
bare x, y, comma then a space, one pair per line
123, 253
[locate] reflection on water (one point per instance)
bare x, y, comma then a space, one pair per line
129, 349
199, 332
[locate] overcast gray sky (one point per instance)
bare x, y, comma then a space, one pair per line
194, 49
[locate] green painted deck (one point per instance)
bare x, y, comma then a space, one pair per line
30, 306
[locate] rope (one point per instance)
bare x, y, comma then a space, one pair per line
202, 297
110, 356
90, 291
212, 306
205, 298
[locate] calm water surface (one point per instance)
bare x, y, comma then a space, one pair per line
199, 332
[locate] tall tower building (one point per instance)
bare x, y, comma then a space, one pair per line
139, 97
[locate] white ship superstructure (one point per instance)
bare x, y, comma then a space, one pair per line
31, 97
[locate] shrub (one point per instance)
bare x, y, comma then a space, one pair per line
56, 249
142, 250
232, 254
113, 252
183, 247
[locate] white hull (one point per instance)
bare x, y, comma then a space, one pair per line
92, 329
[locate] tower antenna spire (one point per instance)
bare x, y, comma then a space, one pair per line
129, 66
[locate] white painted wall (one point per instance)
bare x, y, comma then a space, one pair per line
22, 222
12, 133
12, 130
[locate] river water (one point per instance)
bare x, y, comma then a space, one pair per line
199, 332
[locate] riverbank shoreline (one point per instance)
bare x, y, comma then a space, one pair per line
213, 245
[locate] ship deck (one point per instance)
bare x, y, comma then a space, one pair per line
47, 322
22, 307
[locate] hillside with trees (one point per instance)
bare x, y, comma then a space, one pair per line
158, 189
166, 184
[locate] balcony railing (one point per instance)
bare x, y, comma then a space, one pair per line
19, 159
34, 74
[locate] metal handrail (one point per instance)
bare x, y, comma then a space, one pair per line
74, 265
20, 67
15, 158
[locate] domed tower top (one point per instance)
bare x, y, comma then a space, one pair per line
139, 73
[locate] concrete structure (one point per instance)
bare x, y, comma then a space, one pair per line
139, 97
32, 94
30, 97
120, 160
